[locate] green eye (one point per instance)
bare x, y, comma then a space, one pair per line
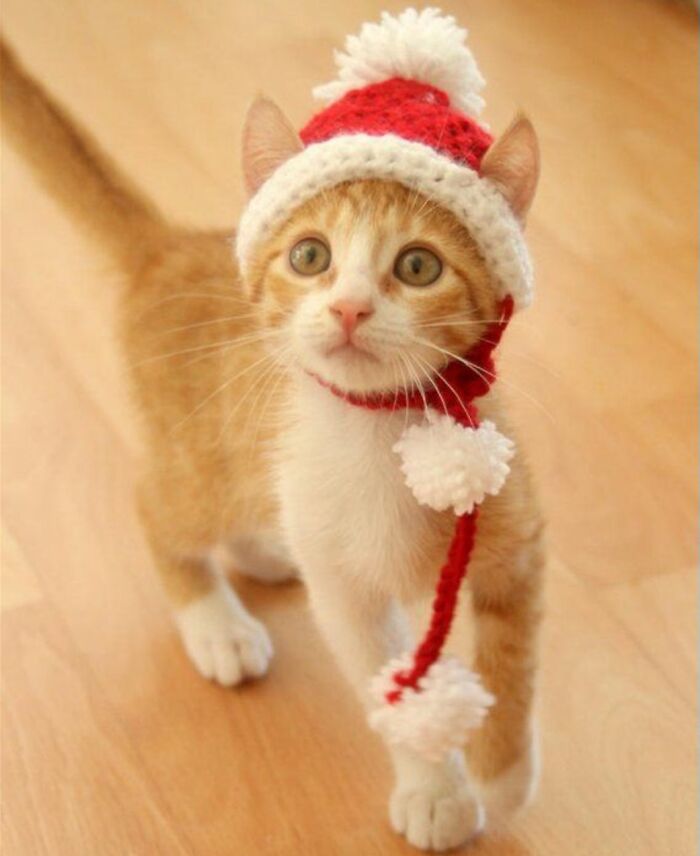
310, 257
417, 266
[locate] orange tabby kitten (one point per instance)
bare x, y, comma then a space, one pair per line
244, 449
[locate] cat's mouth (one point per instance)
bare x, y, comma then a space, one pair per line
355, 363
351, 350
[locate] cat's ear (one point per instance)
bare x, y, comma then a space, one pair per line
268, 141
513, 164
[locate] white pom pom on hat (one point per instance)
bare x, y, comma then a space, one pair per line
426, 46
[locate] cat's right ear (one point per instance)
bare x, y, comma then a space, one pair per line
513, 164
268, 141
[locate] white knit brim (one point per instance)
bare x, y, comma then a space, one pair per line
475, 201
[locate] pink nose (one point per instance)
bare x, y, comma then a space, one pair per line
351, 312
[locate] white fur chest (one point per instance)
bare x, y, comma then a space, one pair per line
345, 507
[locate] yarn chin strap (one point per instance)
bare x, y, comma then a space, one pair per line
456, 388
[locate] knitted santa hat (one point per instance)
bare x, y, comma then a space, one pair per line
403, 109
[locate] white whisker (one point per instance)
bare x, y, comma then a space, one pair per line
418, 385
272, 388
401, 366
463, 406
194, 295
222, 320
227, 343
484, 374
395, 382
216, 392
227, 422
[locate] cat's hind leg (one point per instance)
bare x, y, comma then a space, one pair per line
263, 557
503, 754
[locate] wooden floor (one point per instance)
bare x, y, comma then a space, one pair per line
112, 745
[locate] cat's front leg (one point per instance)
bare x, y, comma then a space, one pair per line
432, 804
223, 640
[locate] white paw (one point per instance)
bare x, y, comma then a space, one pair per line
513, 789
263, 557
224, 642
433, 804
434, 820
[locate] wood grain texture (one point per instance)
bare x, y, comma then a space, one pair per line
112, 745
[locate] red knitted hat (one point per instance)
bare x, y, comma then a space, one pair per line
403, 109
409, 109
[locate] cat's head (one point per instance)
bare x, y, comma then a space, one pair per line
370, 285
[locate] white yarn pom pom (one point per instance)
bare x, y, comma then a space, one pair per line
446, 464
450, 702
426, 46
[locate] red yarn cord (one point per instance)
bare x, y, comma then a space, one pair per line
444, 605
459, 384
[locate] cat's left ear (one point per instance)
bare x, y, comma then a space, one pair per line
268, 141
513, 164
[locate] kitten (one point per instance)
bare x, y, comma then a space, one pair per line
246, 450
